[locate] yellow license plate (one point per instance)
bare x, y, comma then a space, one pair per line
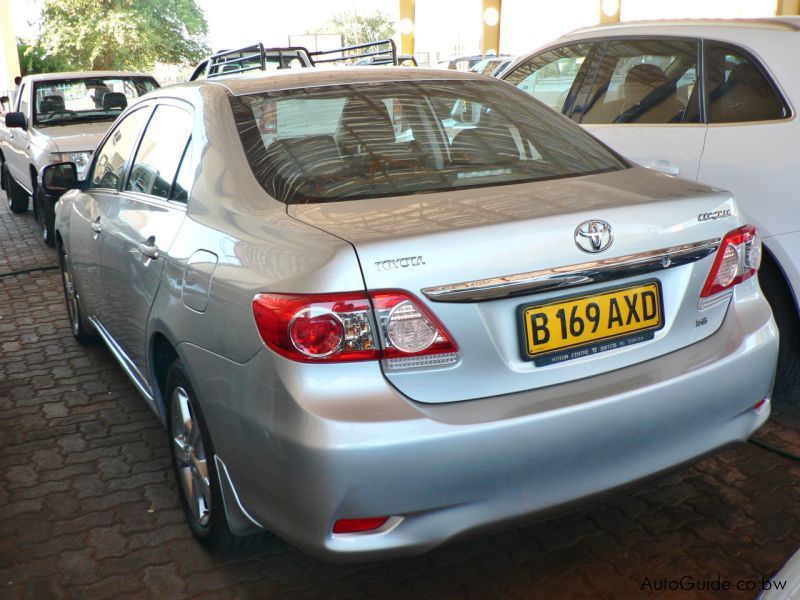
587, 321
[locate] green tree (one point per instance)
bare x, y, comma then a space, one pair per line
123, 34
34, 59
360, 29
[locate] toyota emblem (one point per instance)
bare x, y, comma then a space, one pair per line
593, 236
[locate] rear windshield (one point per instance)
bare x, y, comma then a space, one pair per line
370, 140
96, 98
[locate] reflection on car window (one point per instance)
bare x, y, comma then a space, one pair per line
360, 141
160, 151
738, 89
643, 81
185, 177
89, 99
113, 155
549, 76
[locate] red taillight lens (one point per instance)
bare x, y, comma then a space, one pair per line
315, 327
342, 327
358, 525
738, 259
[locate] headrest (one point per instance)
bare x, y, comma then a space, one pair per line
651, 75
114, 100
748, 75
50, 104
365, 122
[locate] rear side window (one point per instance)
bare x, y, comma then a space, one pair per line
160, 151
739, 90
549, 76
368, 140
643, 81
112, 157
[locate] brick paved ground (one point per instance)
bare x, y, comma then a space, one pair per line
88, 505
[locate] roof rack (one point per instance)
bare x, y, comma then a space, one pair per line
256, 57
383, 51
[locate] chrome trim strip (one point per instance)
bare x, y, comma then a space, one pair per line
559, 278
126, 363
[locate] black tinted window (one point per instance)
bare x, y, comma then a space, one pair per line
385, 139
160, 151
549, 76
184, 178
643, 81
738, 88
114, 154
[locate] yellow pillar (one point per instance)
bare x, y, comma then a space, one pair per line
9, 60
490, 40
788, 7
406, 26
609, 11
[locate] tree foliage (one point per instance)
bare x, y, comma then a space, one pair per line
360, 29
123, 34
34, 59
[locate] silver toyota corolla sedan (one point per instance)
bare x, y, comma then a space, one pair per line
378, 309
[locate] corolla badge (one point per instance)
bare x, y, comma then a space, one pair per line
593, 236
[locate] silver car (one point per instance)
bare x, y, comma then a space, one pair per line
378, 309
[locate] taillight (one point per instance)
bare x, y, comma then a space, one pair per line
342, 327
738, 259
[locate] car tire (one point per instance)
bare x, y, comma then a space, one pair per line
81, 330
785, 312
195, 469
46, 216
17, 197
3, 178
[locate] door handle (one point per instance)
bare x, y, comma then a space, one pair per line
96, 227
148, 248
664, 166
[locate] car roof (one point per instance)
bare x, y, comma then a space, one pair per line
771, 23
286, 79
82, 75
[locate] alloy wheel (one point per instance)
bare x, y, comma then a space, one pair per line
190, 457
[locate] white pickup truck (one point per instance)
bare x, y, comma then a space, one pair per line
59, 117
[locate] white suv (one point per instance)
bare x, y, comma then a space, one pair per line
711, 100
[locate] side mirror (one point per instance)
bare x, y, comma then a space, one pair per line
16, 119
59, 177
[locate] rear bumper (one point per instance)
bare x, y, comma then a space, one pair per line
304, 449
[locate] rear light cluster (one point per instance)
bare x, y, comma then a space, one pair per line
343, 327
738, 259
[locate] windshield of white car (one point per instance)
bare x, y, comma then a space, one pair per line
63, 101
357, 141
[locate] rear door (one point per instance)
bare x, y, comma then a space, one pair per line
140, 226
751, 141
642, 98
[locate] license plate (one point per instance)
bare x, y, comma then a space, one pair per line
578, 326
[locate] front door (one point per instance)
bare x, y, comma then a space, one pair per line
98, 198
139, 227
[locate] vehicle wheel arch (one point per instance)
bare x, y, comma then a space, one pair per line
163, 354
779, 292
771, 267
